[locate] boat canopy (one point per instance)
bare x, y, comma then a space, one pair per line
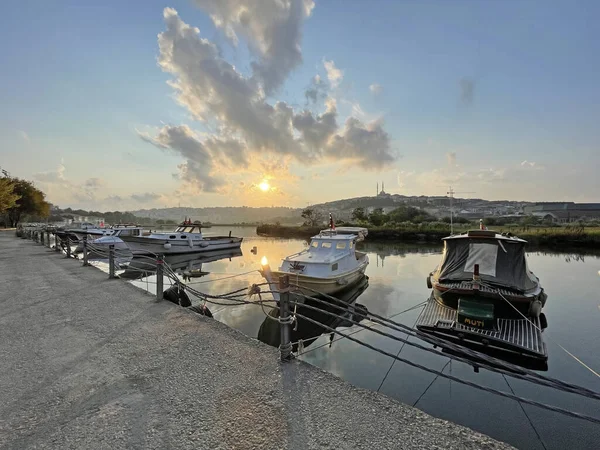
501, 262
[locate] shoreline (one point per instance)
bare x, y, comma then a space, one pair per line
551, 237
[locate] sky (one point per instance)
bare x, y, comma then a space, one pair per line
127, 105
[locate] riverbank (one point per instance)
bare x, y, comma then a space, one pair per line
551, 237
89, 362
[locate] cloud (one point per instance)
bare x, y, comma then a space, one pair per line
527, 164
467, 90
334, 75
375, 89
451, 157
199, 167
272, 28
316, 91
247, 125
146, 197
24, 136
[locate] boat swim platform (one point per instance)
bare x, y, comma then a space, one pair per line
516, 340
91, 362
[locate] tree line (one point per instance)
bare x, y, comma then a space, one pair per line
20, 200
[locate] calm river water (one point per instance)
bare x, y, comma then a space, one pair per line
397, 275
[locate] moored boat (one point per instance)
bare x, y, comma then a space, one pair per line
329, 265
187, 238
484, 296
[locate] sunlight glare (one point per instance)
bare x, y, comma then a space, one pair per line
264, 186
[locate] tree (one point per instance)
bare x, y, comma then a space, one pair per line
377, 217
359, 214
31, 202
312, 217
8, 197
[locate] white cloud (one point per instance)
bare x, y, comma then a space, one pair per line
527, 164
334, 75
24, 136
376, 89
272, 28
213, 90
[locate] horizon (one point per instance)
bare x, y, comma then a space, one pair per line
139, 106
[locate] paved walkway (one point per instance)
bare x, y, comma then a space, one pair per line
88, 362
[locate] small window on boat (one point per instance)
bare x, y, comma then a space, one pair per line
136, 232
183, 236
326, 245
334, 267
340, 245
172, 237
351, 244
315, 244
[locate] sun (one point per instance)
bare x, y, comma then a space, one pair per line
264, 186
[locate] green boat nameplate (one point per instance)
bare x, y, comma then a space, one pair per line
476, 314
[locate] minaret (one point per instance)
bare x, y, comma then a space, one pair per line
382, 187
378, 188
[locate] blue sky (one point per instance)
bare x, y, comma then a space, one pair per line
499, 98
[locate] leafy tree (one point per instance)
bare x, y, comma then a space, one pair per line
312, 217
359, 214
170, 222
31, 202
8, 197
160, 222
377, 217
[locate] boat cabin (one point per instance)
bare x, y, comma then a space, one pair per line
194, 228
332, 249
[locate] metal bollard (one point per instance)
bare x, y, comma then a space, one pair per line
111, 261
285, 346
56, 243
159, 277
42, 237
85, 251
68, 247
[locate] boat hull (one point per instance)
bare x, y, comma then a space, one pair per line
332, 285
145, 245
504, 300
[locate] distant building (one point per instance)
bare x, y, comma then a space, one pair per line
565, 212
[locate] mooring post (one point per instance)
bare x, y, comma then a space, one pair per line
68, 243
85, 251
42, 237
159, 277
285, 320
111, 261
56, 243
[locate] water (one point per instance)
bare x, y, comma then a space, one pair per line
396, 282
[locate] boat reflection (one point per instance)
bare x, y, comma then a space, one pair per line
308, 331
188, 265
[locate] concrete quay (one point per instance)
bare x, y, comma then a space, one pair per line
93, 363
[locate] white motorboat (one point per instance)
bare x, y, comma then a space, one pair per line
329, 265
187, 238
78, 230
100, 246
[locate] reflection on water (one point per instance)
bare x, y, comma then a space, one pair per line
396, 282
309, 322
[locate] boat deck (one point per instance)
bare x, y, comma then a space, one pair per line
516, 337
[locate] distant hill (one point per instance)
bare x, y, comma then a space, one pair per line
227, 214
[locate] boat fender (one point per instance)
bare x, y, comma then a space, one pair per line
543, 321
202, 310
543, 297
177, 296
429, 285
167, 245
